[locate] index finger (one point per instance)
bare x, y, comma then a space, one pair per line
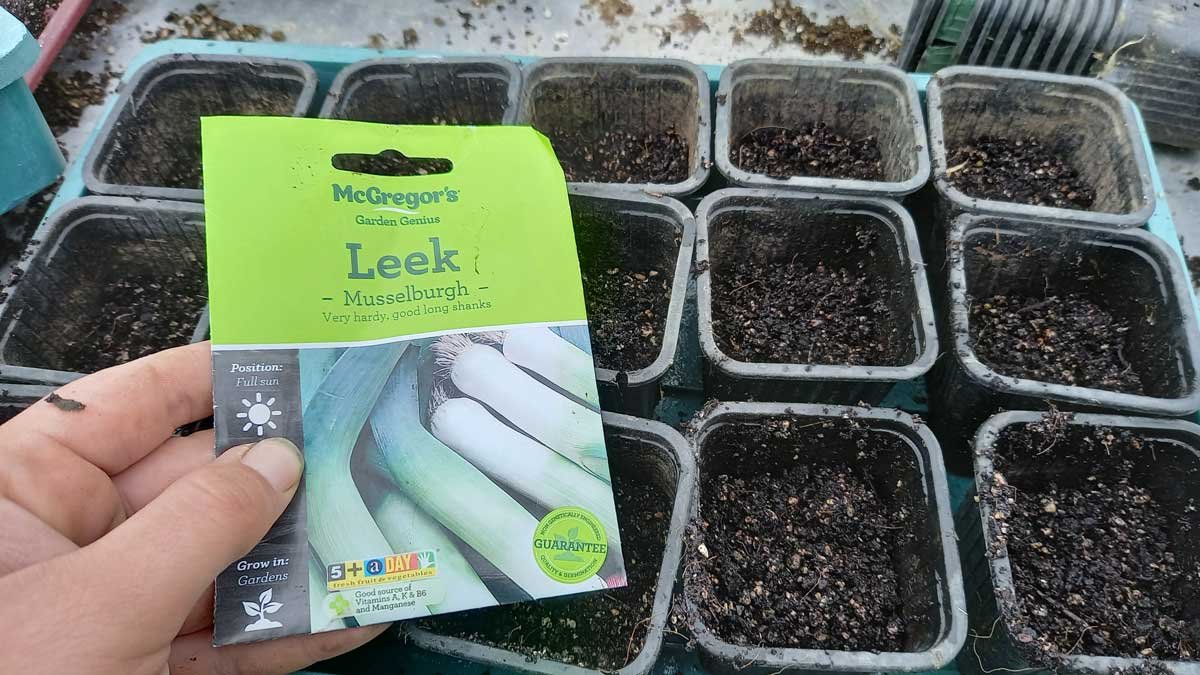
127, 411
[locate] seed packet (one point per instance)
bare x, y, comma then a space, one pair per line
405, 305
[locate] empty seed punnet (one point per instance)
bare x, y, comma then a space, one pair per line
409, 315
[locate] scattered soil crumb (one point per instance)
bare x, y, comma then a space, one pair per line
602, 631
1018, 170
814, 150
35, 14
410, 37
1194, 182
204, 22
63, 98
99, 18
64, 404
787, 23
376, 41
689, 22
1095, 536
610, 10
1065, 339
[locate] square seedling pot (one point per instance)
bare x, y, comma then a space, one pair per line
1130, 275
101, 269
437, 90
657, 459
635, 252
591, 108
739, 230
149, 145
15, 398
883, 461
856, 101
1083, 453
1087, 123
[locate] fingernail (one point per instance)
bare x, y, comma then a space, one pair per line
278, 460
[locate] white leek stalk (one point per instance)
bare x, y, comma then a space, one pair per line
339, 526
454, 492
522, 464
566, 427
562, 364
408, 528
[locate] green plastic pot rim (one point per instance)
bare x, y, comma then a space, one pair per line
937, 149
103, 138
686, 222
851, 186
16, 394
999, 565
953, 600
337, 90
675, 448
988, 378
910, 255
532, 76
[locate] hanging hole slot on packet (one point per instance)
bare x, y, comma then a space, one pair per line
391, 163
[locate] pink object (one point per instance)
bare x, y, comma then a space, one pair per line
54, 37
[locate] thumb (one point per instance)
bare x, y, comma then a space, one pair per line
177, 544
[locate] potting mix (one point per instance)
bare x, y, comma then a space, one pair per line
398, 304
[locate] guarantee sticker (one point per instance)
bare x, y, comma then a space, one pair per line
570, 545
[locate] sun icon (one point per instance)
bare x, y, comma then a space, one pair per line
258, 414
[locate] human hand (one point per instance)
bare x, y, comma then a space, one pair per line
112, 529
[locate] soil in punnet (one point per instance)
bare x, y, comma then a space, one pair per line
627, 314
813, 150
160, 144
1093, 549
33, 13
1064, 339
603, 630
115, 311
1018, 170
801, 553
800, 312
623, 157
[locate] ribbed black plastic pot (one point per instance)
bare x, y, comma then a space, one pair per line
737, 226
855, 99
664, 458
15, 398
149, 144
636, 233
574, 101
1131, 274
1171, 473
935, 610
1090, 124
64, 285
475, 90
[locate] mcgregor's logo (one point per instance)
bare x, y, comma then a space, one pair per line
398, 202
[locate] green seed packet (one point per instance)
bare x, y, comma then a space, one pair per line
392, 300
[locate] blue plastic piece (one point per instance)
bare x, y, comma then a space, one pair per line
29, 156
